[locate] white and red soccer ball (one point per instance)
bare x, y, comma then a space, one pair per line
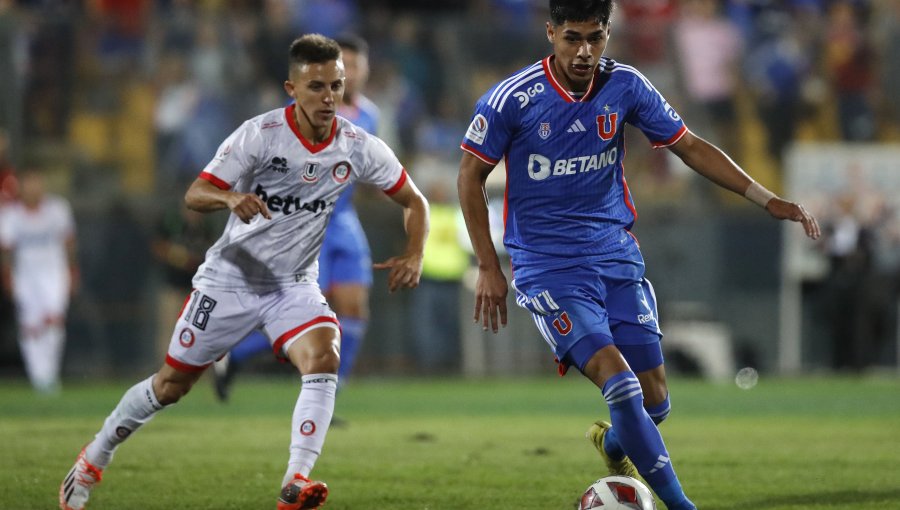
617, 493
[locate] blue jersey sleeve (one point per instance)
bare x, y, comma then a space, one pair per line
653, 115
489, 133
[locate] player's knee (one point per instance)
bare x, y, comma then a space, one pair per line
350, 301
325, 361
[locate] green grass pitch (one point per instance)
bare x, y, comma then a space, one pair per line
812, 443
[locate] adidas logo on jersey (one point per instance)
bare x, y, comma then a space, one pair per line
576, 127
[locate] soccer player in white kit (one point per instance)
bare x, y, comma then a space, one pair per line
37, 250
280, 174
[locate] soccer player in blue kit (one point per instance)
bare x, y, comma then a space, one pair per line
559, 126
345, 262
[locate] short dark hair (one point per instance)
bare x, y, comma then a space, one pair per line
353, 42
313, 49
562, 11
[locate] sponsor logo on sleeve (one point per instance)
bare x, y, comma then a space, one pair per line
477, 129
224, 153
186, 338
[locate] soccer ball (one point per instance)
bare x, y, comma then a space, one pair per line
617, 493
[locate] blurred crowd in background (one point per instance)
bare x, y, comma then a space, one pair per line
122, 102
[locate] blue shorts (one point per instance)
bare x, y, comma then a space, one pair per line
345, 257
579, 310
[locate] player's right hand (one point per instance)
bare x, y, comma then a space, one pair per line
248, 205
490, 298
784, 210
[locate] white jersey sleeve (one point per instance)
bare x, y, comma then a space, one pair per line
381, 167
239, 153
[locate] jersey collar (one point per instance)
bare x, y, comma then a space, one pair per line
565, 94
313, 148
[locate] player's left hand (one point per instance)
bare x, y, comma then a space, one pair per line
405, 271
784, 210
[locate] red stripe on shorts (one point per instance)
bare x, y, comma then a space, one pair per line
184, 367
279, 343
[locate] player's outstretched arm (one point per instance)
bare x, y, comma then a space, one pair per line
491, 288
405, 270
709, 161
204, 196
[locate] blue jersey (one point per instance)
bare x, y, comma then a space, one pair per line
566, 199
364, 115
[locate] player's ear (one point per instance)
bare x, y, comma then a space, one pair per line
289, 87
550, 32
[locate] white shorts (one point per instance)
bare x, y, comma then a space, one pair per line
213, 321
41, 297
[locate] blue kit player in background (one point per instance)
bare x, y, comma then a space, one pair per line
345, 263
559, 126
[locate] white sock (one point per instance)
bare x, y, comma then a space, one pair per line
56, 337
312, 417
42, 352
137, 407
31, 346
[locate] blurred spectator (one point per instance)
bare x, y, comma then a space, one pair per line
775, 68
121, 285
51, 58
881, 284
177, 97
848, 243
8, 192
849, 67
326, 17
890, 61
438, 134
179, 247
436, 302
9, 185
38, 269
645, 35
276, 35
12, 64
710, 49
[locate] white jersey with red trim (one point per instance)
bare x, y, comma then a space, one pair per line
37, 240
300, 182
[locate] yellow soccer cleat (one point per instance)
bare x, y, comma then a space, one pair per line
622, 467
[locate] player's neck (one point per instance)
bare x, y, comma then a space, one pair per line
307, 130
576, 89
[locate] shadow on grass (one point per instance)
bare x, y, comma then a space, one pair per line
837, 499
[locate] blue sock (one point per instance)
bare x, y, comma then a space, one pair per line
250, 346
352, 332
658, 414
641, 441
